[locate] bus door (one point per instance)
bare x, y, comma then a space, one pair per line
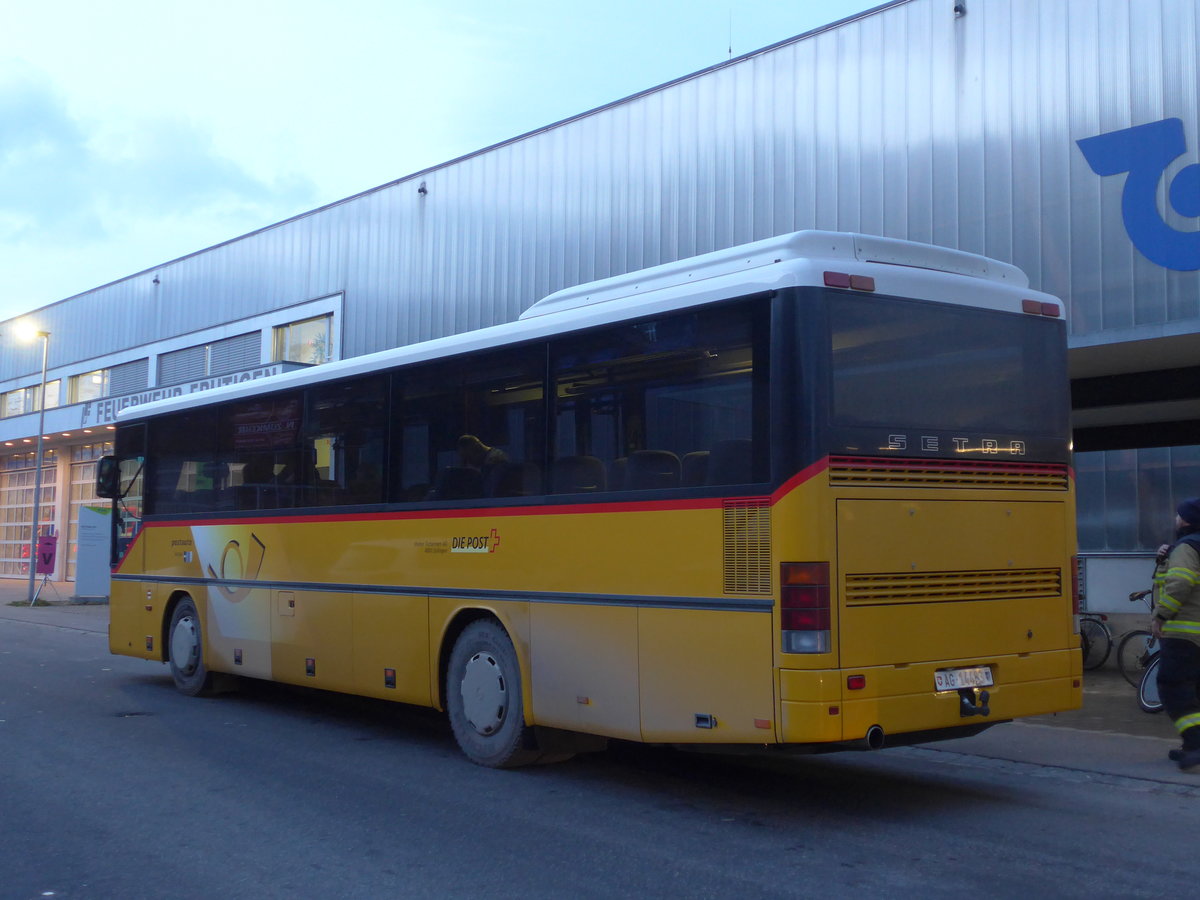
128, 508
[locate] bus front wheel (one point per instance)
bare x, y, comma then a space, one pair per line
483, 698
186, 650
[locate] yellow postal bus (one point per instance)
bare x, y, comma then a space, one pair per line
812, 492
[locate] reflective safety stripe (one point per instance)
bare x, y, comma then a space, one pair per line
1181, 626
1183, 574
1183, 723
1168, 602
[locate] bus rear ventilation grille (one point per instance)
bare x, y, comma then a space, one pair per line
861, 471
747, 546
951, 587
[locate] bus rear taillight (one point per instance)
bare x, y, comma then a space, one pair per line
1076, 591
804, 607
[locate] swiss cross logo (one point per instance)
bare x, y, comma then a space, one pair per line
493, 541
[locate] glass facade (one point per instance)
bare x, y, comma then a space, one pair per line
1127, 498
17, 477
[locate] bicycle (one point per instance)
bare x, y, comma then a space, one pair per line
1138, 659
1095, 639
1148, 698
1138, 647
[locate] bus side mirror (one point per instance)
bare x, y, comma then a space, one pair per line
108, 483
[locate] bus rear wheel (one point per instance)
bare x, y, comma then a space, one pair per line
484, 700
186, 650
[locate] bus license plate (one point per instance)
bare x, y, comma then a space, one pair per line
955, 679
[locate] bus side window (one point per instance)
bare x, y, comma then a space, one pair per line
469, 432
341, 460
667, 403
182, 446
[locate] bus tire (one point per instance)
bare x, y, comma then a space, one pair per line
1096, 642
484, 700
185, 642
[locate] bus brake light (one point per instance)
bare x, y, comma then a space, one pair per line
804, 615
1076, 577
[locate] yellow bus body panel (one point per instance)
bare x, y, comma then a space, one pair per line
391, 632
706, 676
135, 623
585, 668
619, 612
916, 605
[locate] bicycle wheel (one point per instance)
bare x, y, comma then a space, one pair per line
1099, 642
1133, 653
1148, 698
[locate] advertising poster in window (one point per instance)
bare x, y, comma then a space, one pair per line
271, 424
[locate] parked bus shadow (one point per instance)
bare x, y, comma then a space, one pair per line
877, 784
753, 787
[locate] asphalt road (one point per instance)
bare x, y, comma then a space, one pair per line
115, 786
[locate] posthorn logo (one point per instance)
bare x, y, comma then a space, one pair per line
1145, 152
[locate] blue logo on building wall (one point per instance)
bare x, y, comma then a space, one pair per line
1145, 151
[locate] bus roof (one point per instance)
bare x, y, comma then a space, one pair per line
803, 258
798, 246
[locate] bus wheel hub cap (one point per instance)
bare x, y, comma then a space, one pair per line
185, 646
484, 694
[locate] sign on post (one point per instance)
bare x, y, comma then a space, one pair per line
47, 548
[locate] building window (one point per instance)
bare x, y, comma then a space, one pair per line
89, 386
232, 354
128, 378
15, 403
25, 400
306, 341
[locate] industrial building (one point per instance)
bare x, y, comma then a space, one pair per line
1058, 135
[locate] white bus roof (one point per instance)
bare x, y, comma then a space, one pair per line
899, 268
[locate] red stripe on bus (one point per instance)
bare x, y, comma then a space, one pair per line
562, 509
129, 550
806, 474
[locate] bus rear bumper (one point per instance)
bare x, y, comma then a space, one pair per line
821, 706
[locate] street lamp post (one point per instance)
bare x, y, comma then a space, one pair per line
37, 478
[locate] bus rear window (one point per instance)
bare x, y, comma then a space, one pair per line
934, 366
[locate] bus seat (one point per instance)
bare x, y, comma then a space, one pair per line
694, 468
578, 474
457, 483
650, 469
257, 490
731, 462
518, 479
616, 473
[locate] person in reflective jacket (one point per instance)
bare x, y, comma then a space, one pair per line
1176, 624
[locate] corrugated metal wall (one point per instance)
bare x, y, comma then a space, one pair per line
909, 122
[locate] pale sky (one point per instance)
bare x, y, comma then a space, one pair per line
133, 132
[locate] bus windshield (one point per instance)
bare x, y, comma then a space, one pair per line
931, 369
